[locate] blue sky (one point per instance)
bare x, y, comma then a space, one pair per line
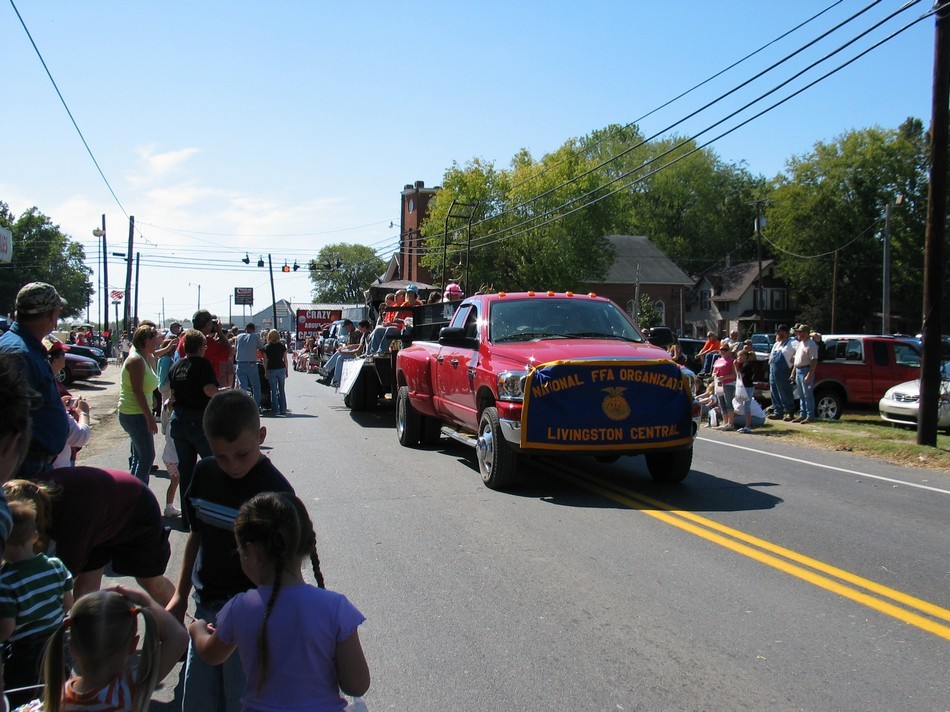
278, 127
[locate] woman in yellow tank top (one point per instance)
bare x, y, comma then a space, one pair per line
135, 396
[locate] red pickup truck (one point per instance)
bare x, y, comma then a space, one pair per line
856, 369
547, 374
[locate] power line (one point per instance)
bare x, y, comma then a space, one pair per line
527, 223
68, 112
681, 95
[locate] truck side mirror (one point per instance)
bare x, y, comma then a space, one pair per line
455, 336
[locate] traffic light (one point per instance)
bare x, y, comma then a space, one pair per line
260, 261
285, 268
296, 266
247, 259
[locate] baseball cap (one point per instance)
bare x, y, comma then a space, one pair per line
453, 289
202, 317
412, 288
803, 327
53, 345
38, 298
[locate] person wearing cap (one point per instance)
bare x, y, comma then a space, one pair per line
453, 293
217, 347
38, 306
781, 359
805, 361
246, 346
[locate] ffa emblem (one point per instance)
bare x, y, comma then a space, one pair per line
615, 405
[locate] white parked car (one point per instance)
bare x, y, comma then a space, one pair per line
901, 403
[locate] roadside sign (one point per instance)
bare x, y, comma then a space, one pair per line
244, 295
6, 245
310, 322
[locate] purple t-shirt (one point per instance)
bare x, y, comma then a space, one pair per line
302, 633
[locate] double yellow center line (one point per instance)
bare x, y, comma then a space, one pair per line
888, 601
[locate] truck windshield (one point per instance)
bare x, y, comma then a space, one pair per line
542, 318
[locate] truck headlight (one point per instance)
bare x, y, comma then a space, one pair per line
511, 385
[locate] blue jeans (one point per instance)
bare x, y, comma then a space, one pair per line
191, 444
725, 400
783, 401
278, 398
212, 688
708, 359
381, 337
249, 379
142, 455
806, 392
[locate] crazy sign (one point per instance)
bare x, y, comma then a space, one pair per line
606, 405
310, 322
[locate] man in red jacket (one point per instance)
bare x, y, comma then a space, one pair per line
219, 349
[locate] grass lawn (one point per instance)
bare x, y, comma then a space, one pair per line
864, 432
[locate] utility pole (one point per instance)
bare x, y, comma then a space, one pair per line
934, 260
760, 307
886, 278
135, 317
128, 277
834, 292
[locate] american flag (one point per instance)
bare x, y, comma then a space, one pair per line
116, 295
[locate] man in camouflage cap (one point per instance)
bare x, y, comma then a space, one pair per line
38, 306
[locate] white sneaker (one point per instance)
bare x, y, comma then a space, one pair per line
172, 511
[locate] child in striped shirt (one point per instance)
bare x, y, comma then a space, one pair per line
35, 594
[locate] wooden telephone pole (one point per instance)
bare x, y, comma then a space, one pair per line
934, 260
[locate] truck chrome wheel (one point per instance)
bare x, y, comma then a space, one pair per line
408, 421
497, 462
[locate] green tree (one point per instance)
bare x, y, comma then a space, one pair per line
528, 233
342, 271
43, 253
693, 206
648, 315
830, 203
543, 224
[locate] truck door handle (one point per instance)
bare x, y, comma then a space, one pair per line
440, 358
454, 362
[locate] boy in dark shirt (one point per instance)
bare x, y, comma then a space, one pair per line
237, 471
193, 382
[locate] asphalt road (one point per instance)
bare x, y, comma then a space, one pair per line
774, 578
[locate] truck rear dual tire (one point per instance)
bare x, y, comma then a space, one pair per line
670, 467
408, 421
364, 393
497, 462
413, 428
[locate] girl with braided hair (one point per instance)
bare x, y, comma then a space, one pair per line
102, 633
298, 643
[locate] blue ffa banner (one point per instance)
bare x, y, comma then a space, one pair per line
606, 405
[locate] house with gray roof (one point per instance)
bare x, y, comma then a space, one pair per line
731, 297
642, 268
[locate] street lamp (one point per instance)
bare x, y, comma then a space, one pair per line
195, 284
104, 295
